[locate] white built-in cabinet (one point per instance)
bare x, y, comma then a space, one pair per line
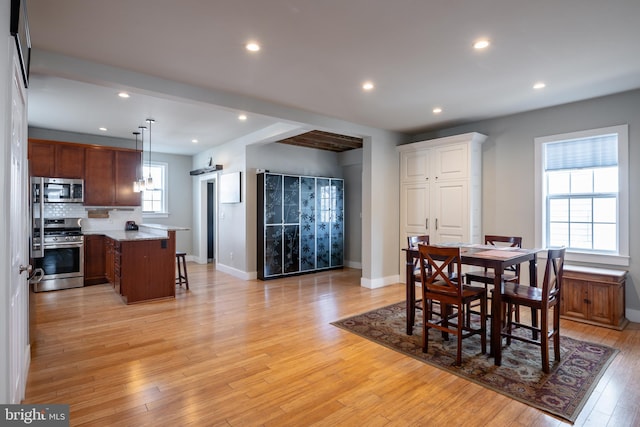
441, 189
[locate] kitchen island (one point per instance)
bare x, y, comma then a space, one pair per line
141, 264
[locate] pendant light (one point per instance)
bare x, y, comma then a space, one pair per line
141, 181
149, 184
136, 183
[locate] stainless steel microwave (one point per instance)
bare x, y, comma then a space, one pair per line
57, 190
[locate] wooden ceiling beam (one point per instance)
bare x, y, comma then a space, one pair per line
324, 141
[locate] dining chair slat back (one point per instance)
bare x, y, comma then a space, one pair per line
542, 299
445, 285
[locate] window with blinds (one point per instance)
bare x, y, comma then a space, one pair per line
581, 190
582, 193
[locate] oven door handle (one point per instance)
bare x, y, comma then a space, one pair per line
62, 245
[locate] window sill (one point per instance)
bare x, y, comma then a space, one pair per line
155, 215
594, 259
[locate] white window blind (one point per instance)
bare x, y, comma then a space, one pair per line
593, 152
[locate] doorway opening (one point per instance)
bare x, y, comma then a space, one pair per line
211, 216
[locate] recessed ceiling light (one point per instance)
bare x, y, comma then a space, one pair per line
539, 85
103, 129
195, 141
242, 117
367, 86
481, 44
123, 95
252, 47
437, 110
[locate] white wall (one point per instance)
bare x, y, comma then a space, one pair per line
380, 211
231, 252
180, 199
351, 162
508, 167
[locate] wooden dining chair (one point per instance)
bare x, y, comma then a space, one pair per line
542, 299
413, 242
487, 276
443, 286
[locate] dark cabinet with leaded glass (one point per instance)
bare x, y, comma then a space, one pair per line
300, 224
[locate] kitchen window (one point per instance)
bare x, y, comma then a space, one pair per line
582, 198
154, 201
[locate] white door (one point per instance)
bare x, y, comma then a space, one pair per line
414, 165
414, 198
18, 241
450, 162
451, 212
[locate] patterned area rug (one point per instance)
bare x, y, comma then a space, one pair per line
562, 392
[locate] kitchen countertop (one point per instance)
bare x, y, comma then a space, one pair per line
146, 232
164, 227
126, 236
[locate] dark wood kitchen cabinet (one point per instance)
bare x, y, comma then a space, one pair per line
141, 269
126, 167
109, 177
94, 260
57, 160
108, 172
109, 259
99, 188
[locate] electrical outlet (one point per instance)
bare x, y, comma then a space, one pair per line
230, 255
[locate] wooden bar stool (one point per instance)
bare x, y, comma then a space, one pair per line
182, 269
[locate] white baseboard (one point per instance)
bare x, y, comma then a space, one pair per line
353, 264
632, 315
244, 275
379, 283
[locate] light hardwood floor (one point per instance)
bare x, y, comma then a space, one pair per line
246, 353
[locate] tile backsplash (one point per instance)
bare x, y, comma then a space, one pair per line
116, 220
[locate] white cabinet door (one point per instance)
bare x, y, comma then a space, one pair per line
414, 166
450, 162
414, 198
450, 212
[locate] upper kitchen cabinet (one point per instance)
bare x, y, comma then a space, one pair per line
56, 159
126, 166
99, 188
108, 172
109, 177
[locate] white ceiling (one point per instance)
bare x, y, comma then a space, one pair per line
315, 56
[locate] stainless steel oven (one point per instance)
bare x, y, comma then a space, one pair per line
60, 244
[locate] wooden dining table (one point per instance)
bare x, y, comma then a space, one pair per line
486, 256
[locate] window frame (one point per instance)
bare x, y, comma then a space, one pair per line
621, 258
164, 213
